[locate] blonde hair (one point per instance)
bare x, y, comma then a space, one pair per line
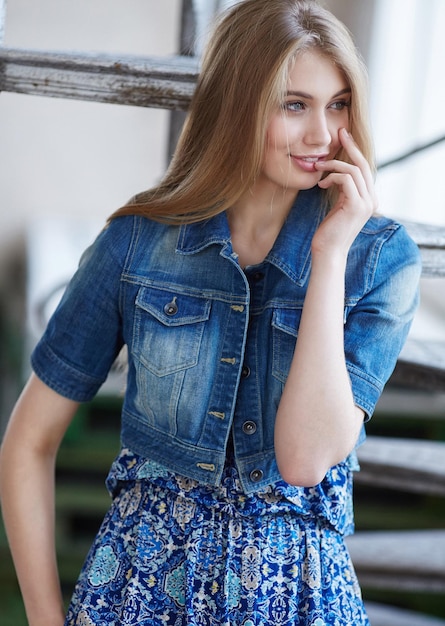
243, 79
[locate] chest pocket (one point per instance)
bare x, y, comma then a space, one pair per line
168, 330
285, 323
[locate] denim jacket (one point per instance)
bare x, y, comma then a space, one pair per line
210, 344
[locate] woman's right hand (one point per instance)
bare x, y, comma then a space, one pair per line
356, 201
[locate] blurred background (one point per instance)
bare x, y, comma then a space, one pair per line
66, 165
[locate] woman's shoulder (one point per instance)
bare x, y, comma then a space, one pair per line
381, 250
125, 226
121, 234
380, 223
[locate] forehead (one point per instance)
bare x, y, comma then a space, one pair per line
316, 74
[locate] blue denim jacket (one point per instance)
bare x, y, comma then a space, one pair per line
210, 345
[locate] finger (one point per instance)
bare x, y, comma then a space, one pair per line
362, 169
342, 169
351, 197
356, 156
344, 182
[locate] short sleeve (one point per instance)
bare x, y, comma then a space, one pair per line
84, 335
377, 324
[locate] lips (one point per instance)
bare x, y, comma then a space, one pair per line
307, 163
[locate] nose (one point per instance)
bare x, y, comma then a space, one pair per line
318, 132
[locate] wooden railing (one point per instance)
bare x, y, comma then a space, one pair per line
166, 82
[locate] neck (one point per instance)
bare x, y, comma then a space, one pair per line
255, 222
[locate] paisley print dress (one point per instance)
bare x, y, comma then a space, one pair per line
172, 552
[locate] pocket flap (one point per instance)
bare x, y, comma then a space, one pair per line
287, 320
173, 308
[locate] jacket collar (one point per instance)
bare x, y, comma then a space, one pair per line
291, 252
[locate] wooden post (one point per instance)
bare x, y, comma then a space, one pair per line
194, 20
186, 48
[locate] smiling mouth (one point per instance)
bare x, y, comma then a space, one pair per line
313, 159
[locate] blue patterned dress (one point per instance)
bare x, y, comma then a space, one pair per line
173, 552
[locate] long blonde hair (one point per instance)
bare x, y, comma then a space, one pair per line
242, 80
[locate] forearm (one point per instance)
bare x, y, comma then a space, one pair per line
28, 505
27, 461
317, 423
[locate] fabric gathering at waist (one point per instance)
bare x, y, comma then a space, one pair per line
330, 501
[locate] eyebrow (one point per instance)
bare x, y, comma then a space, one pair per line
307, 96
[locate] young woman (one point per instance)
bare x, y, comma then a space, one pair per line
264, 304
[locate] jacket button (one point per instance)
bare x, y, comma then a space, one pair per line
256, 475
171, 308
257, 276
249, 427
245, 372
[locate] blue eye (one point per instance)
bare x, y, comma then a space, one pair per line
340, 105
295, 106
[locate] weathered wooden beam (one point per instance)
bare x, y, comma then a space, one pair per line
412, 465
431, 241
421, 365
166, 82
433, 262
403, 560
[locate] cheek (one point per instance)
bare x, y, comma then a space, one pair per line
336, 146
278, 134
345, 121
340, 120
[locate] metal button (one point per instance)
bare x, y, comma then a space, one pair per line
249, 427
245, 372
256, 475
171, 308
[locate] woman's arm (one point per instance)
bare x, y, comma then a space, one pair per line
317, 422
27, 462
